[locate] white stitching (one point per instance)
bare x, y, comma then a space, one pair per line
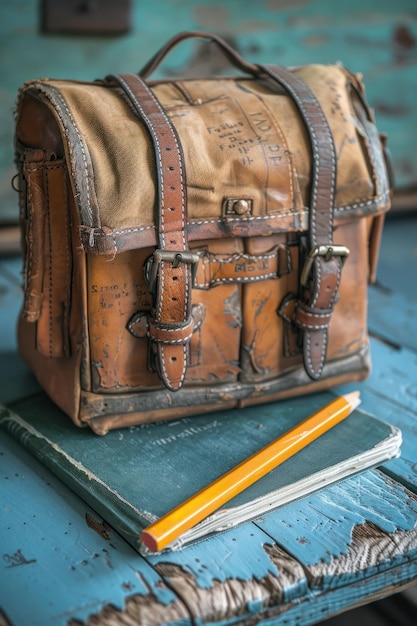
149, 122
329, 135
169, 124
313, 326
245, 279
170, 342
212, 258
47, 92
138, 229
315, 314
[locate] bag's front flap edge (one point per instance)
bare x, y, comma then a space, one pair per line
98, 239
108, 242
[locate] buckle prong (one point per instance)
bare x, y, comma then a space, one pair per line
327, 251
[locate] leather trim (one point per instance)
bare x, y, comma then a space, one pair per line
108, 242
103, 412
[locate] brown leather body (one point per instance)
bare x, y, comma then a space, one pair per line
193, 245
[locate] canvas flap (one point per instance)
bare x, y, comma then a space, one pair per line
242, 139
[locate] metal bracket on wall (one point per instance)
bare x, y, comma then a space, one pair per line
85, 17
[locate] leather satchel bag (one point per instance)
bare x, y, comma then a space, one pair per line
193, 245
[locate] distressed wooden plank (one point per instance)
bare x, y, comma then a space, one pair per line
350, 531
316, 607
64, 565
332, 544
366, 568
222, 581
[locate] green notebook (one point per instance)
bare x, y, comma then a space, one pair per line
133, 476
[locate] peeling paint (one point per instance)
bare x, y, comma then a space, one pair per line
367, 498
99, 527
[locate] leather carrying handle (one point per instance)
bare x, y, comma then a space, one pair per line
231, 54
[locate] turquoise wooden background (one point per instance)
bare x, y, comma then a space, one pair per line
377, 38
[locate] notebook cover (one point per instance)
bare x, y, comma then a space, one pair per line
133, 476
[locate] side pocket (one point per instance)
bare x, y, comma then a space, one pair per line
47, 251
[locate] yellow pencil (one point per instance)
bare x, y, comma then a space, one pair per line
189, 513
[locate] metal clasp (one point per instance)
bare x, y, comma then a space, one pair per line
327, 251
171, 256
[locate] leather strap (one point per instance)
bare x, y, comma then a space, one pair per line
172, 261
219, 269
321, 282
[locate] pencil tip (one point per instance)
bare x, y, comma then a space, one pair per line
353, 398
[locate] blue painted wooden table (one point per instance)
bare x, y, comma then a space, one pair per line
346, 545
60, 563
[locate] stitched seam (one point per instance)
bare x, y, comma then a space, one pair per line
313, 327
84, 158
316, 156
44, 165
68, 262
172, 342
161, 288
121, 231
212, 258
158, 150
184, 351
321, 315
253, 218
349, 207
29, 243
243, 279
324, 334
150, 124
323, 352
46, 182
317, 285
339, 277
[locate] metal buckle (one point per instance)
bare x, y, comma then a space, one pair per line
172, 256
327, 251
